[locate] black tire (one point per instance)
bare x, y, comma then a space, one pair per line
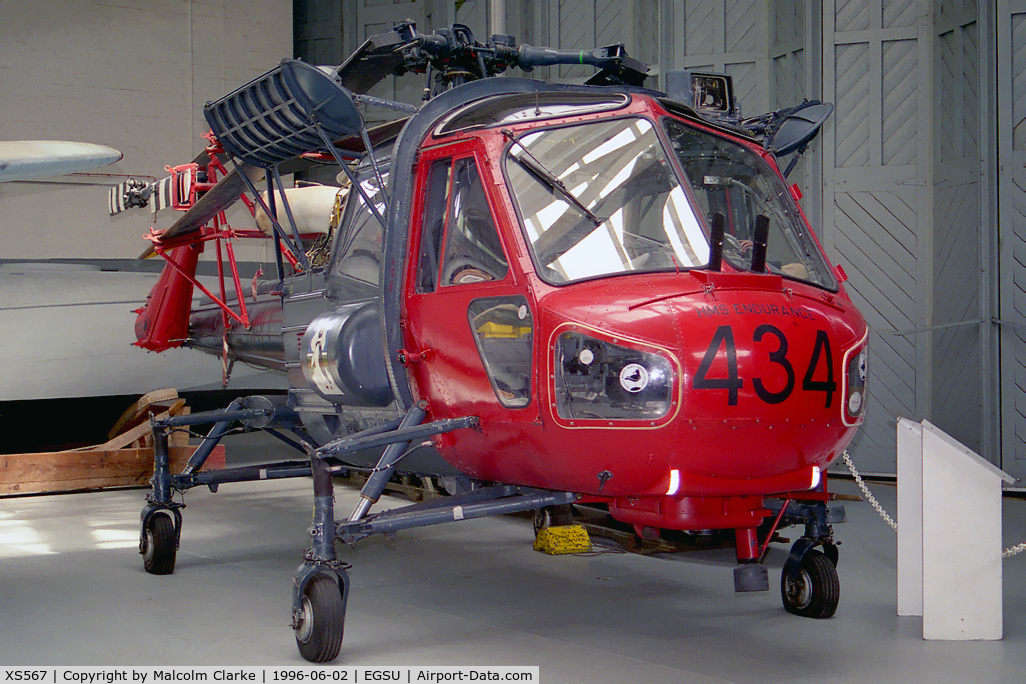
161, 546
319, 629
814, 591
553, 516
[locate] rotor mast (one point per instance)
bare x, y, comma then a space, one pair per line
452, 56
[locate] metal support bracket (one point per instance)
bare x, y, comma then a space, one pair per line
479, 503
368, 440
253, 413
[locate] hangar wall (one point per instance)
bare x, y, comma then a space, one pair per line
965, 391
132, 74
1010, 126
878, 198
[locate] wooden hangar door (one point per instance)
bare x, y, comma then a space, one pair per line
1011, 98
877, 204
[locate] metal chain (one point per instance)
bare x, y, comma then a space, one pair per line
865, 490
1007, 553
1014, 551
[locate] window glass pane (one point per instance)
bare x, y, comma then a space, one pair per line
473, 250
359, 247
504, 330
598, 380
434, 225
600, 199
731, 180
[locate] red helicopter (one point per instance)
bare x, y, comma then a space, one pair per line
541, 294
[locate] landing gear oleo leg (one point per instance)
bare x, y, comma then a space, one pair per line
320, 587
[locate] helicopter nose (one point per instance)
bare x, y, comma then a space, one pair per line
744, 384
772, 383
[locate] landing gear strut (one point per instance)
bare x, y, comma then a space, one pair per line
162, 518
320, 587
809, 585
321, 584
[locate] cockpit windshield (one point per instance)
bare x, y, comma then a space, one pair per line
601, 198
729, 179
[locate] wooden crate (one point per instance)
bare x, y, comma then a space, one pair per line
64, 471
125, 460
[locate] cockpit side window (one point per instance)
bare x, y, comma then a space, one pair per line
359, 244
433, 226
473, 250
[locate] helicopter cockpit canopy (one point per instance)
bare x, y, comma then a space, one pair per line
602, 198
520, 107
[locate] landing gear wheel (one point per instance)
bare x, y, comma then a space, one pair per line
553, 516
814, 590
161, 546
319, 627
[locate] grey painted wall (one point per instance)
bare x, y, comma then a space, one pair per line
963, 393
132, 74
1011, 138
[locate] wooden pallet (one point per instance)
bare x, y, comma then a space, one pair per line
125, 460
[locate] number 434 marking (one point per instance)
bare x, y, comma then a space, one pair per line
724, 339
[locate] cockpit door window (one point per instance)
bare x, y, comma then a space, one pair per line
467, 315
473, 251
434, 225
457, 216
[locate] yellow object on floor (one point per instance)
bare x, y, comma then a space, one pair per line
560, 539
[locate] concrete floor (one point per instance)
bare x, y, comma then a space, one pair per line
73, 592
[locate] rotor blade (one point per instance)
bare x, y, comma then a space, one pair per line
28, 159
214, 201
202, 158
228, 189
223, 195
377, 58
378, 135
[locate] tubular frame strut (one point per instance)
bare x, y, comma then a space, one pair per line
320, 560
478, 503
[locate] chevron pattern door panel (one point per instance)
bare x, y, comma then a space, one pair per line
877, 204
1012, 215
957, 382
